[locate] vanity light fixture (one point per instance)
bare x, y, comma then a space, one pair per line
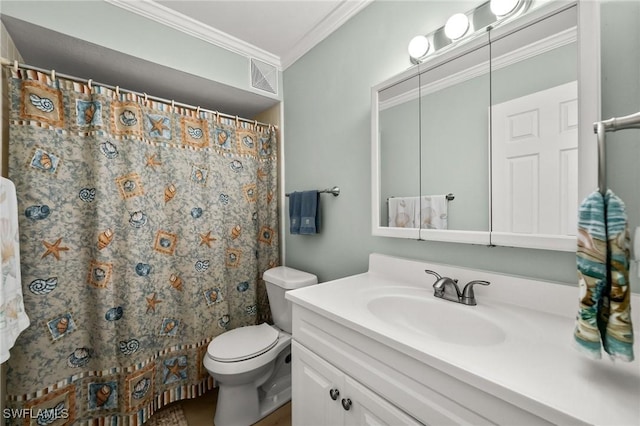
460, 25
419, 46
502, 8
457, 26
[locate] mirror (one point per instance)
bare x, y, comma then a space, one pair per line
399, 118
454, 148
482, 110
534, 134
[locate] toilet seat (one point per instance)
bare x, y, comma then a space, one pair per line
243, 343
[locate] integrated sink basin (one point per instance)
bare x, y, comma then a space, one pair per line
420, 313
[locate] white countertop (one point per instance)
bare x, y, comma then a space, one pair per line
535, 360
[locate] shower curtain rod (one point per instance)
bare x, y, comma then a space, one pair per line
611, 125
7, 63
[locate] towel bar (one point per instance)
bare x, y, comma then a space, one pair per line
335, 191
449, 197
611, 125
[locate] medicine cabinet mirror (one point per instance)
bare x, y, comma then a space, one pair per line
490, 141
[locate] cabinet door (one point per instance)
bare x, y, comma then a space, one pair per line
313, 383
369, 409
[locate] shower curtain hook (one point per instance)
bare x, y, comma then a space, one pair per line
173, 105
217, 117
15, 65
237, 121
145, 99
53, 75
118, 91
255, 125
89, 84
198, 111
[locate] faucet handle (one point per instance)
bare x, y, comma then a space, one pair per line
468, 296
437, 275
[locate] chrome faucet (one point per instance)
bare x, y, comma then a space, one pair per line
447, 289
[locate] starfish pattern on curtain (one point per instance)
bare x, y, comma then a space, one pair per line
145, 233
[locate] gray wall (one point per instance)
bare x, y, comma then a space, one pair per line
621, 96
327, 138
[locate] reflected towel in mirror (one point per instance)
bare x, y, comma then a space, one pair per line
402, 212
433, 213
427, 212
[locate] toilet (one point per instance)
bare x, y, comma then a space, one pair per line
252, 365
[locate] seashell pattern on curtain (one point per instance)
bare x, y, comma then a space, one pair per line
145, 233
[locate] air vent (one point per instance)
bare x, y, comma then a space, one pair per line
264, 76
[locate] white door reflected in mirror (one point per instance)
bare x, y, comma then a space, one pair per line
535, 163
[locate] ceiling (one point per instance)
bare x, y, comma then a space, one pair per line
277, 32
277, 27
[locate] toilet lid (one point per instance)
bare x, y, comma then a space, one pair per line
243, 343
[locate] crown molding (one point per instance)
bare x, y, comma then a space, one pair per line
178, 21
338, 16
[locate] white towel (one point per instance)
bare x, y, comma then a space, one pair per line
13, 319
433, 212
402, 212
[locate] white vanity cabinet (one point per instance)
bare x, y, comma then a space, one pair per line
385, 386
324, 395
404, 357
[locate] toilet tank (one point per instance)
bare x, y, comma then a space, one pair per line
278, 281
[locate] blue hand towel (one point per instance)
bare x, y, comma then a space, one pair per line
295, 204
310, 213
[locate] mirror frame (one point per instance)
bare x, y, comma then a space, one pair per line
588, 44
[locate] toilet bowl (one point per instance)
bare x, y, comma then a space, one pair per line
252, 364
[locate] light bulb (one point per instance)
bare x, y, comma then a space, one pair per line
503, 7
419, 46
456, 26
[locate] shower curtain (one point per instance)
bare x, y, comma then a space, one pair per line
144, 233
